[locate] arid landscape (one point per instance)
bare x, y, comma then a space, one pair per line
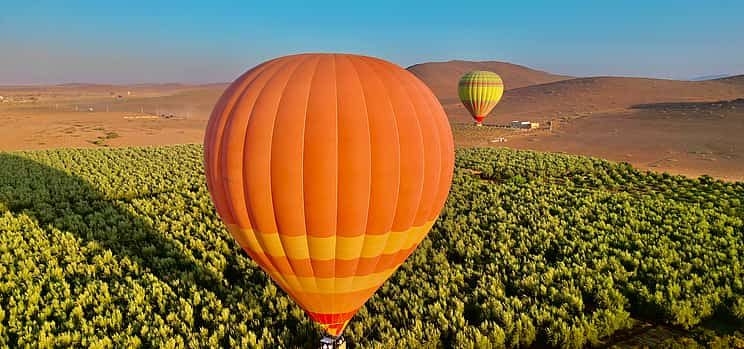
82, 115
238, 174
681, 127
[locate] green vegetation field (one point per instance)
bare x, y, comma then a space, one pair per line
122, 248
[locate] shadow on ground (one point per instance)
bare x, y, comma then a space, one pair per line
60, 200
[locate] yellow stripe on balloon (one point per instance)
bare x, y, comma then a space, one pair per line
328, 248
333, 303
329, 286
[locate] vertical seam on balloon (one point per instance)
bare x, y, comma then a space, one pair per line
473, 97
335, 247
438, 139
228, 127
395, 124
208, 136
400, 80
213, 121
497, 92
481, 96
484, 96
223, 102
229, 109
396, 79
243, 170
442, 145
271, 146
483, 99
304, 209
491, 104
490, 95
259, 239
464, 95
209, 151
471, 101
450, 151
495, 96
232, 110
369, 139
417, 87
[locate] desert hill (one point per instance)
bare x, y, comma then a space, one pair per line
442, 77
686, 127
581, 97
736, 79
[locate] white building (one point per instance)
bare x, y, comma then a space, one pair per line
524, 124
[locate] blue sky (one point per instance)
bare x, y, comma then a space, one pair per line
212, 41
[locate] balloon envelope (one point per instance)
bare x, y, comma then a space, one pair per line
479, 92
328, 170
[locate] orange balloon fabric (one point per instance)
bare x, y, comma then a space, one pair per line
328, 170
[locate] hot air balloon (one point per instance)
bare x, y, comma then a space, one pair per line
479, 92
328, 170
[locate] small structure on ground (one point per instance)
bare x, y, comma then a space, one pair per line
524, 124
141, 117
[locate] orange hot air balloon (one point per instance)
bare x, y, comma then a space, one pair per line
329, 170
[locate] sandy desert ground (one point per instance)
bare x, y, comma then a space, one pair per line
706, 141
91, 116
661, 125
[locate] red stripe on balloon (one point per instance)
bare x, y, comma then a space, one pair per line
331, 318
474, 83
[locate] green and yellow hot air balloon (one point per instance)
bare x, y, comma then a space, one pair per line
480, 91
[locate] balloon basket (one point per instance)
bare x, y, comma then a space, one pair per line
331, 342
478, 124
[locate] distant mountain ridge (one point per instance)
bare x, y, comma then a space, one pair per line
442, 77
710, 77
735, 79
596, 94
537, 95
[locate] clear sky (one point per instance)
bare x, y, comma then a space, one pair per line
130, 41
